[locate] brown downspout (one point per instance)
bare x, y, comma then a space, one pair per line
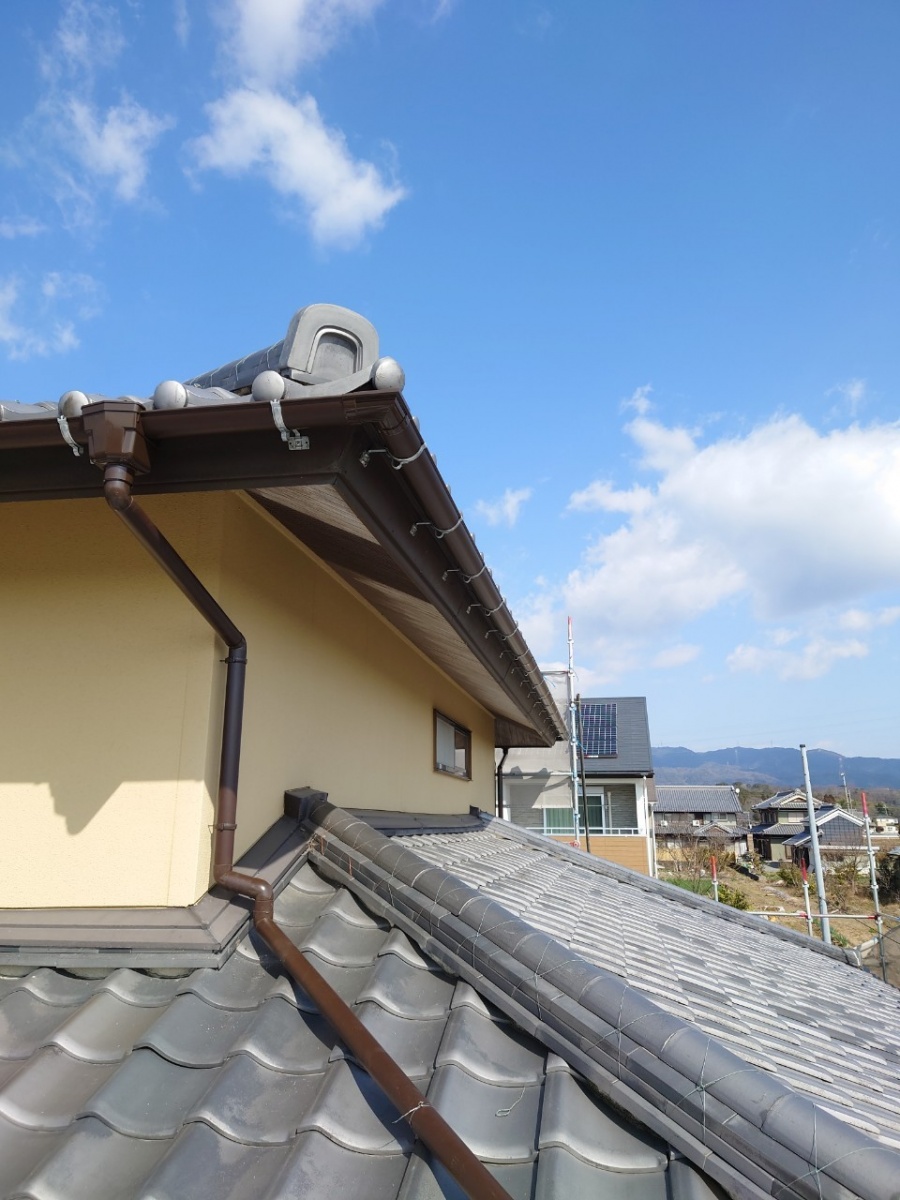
424, 1120
499, 802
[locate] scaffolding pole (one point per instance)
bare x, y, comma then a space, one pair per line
814, 850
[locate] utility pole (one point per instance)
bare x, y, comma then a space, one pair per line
847, 799
814, 850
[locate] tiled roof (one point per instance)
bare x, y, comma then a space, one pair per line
684, 798
787, 800
228, 1084
835, 830
776, 1000
761, 1057
778, 829
678, 823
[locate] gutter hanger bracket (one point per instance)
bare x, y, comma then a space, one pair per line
295, 440
67, 436
396, 463
442, 533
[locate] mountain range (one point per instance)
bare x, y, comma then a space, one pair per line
778, 766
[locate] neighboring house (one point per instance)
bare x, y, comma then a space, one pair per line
782, 816
686, 817
536, 784
585, 1031
840, 835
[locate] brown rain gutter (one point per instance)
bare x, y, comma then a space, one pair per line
117, 446
404, 443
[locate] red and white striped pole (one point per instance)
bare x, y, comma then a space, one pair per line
873, 881
715, 877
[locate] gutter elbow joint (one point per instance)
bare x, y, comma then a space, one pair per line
117, 481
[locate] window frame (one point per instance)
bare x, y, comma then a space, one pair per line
460, 733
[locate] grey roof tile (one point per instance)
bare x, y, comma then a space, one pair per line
560, 1173
93, 1162
193, 1033
407, 992
284, 1039
237, 984
488, 1051
351, 1110
201, 1164
135, 987
574, 1120
426, 1179
150, 1097
498, 1123
398, 943
21, 1150
465, 996
50, 986
104, 1029
27, 1022
341, 942
272, 1103
51, 1089
411, 1042
321, 1169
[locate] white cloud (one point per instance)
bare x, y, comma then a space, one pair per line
504, 511
794, 521
857, 620
663, 449
853, 392
36, 321
264, 128
22, 341
115, 144
675, 656
72, 143
811, 661
182, 20
291, 147
639, 400
20, 227
602, 495
271, 39
88, 36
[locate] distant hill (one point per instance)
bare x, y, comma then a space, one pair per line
779, 766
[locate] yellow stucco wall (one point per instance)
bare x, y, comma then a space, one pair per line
111, 689
105, 689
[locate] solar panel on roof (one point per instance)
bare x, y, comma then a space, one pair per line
598, 730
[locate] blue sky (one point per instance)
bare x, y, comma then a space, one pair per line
638, 259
